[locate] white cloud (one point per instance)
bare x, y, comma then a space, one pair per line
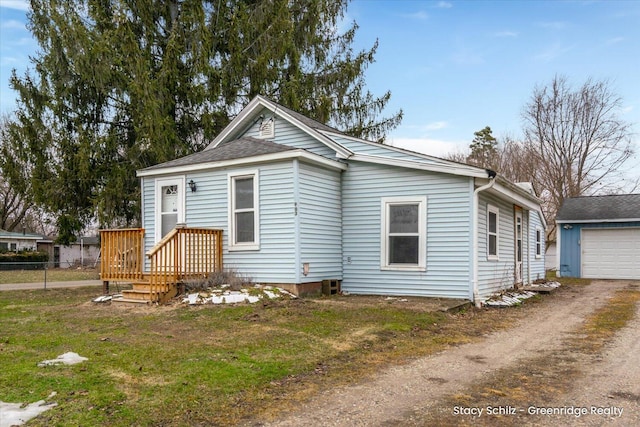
552, 52
505, 33
627, 109
443, 5
12, 25
15, 4
432, 147
436, 125
614, 40
420, 15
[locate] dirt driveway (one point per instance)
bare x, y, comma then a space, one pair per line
424, 391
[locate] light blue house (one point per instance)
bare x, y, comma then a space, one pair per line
598, 237
299, 202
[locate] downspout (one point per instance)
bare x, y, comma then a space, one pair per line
476, 202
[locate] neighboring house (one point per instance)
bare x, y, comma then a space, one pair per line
599, 237
15, 241
300, 202
83, 252
550, 256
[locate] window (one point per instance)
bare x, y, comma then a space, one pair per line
404, 233
13, 246
243, 215
493, 232
4, 246
538, 242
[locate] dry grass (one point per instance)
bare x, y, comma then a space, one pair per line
211, 365
53, 275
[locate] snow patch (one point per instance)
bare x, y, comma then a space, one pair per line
68, 358
225, 296
15, 414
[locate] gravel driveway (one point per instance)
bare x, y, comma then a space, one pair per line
419, 387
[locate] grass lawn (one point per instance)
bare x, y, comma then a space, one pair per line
53, 275
210, 365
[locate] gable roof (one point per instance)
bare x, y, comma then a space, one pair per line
253, 111
616, 208
237, 149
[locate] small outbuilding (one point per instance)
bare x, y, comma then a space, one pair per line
599, 237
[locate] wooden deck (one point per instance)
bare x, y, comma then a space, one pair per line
183, 254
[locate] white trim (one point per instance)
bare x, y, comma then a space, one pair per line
538, 243
385, 203
493, 209
413, 164
254, 107
596, 221
518, 199
162, 182
558, 246
231, 178
284, 155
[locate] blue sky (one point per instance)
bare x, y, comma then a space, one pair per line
456, 66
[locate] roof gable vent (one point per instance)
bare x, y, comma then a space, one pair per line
267, 128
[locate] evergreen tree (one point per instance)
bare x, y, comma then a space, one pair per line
121, 85
483, 149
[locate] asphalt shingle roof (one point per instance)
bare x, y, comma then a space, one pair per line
626, 206
236, 149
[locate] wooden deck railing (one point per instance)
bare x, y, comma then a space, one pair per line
121, 254
184, 253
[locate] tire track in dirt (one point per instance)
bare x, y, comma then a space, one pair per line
420, 384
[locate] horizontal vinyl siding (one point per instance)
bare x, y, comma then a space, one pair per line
288, 134
320, 210
537, 264
448, 231
148, 216
374, 149
208, 207
496, 275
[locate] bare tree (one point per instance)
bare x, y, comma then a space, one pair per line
580, 140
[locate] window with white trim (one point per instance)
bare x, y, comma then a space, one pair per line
243, 212
403, 233
493, 232
538, 242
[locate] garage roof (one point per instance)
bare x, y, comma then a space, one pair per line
623, 207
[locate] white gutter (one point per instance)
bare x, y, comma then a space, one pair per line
476, 237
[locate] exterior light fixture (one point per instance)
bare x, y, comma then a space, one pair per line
192, 186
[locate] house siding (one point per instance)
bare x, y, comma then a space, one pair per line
570, 253
496, 275
208, 207
374, 149
292, 136
148, 217
537, 264
448, 231
320, 217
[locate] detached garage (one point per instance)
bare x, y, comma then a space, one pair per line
599, 237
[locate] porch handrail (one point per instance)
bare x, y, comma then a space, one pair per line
121, 254
184, 253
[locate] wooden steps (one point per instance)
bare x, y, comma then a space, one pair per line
141, 293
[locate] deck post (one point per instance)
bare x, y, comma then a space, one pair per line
105, 287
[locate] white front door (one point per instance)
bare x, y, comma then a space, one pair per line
169, 205
518, 248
